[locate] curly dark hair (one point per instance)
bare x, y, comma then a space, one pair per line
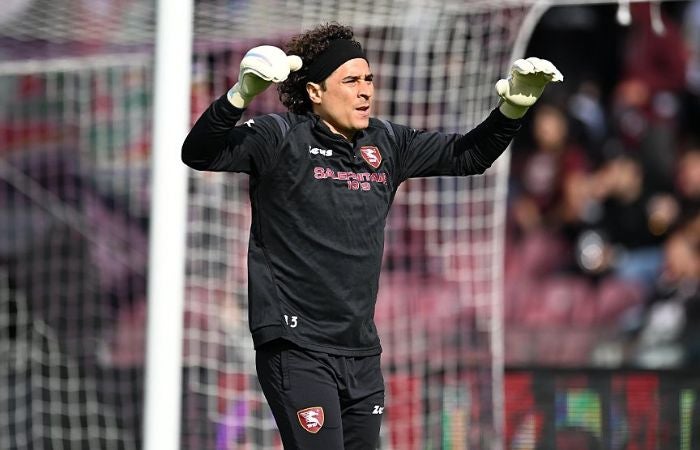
308, 46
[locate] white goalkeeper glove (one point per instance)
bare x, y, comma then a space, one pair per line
523, 87
260, 67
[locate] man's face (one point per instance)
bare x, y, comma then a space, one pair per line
345, 103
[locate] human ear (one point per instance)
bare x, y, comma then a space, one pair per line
314, 90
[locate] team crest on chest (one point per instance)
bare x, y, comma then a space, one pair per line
371, 155
311, 419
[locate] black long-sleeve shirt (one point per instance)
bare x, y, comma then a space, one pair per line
319, 206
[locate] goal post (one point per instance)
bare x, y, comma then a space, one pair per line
168, 226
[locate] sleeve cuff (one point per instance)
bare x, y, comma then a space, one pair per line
512, 111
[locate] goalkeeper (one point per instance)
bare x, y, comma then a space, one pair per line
322, 178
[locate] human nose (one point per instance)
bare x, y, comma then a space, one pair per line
366, 90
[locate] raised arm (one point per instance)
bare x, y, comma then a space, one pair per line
215, 142
425, 153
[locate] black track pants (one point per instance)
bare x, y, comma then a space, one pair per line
321, 401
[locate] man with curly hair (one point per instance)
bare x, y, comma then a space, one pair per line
322, 179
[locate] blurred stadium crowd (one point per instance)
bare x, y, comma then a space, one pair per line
603, 235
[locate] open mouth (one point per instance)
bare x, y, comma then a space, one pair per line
363, 108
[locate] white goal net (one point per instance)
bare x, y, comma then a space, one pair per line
75, 147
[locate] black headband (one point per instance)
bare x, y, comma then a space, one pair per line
337, 53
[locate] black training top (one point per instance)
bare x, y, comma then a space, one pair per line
319, 208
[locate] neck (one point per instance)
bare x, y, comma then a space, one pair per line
347, 135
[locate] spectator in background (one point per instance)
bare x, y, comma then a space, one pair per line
688, 180
657, 60
647, 101
634, 219
586, 106
670, 329
549, 195
543, 170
